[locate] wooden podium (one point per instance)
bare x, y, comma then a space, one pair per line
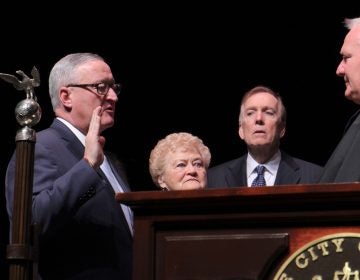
243, 233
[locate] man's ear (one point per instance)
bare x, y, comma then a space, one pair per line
282, 132
65, 97
241, 132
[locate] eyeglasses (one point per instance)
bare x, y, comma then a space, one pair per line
101, 88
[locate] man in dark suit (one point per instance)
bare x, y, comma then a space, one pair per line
262, 122
85, 233
344, 163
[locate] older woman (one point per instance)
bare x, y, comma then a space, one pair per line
180, 162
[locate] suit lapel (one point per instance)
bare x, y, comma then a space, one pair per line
288, 172
237, 173
118, 172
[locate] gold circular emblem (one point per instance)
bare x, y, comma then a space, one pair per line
331, 257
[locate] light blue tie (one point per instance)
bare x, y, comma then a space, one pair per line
259, 180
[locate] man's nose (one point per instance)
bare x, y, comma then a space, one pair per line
259, 117
112, 95
340, 69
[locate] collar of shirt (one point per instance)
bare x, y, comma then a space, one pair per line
74, 130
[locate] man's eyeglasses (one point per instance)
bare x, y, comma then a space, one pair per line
101, 88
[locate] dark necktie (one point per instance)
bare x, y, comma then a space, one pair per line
259, 180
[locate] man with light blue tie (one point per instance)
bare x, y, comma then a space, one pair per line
262, 122
85, 233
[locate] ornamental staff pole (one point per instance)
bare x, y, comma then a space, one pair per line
22, 249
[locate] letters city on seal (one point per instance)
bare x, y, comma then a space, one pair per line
335, 257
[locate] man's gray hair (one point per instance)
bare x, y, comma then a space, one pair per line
64, 73
351, 22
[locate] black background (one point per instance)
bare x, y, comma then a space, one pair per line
184, 67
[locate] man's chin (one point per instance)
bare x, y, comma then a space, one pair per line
259, 144
107, 123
